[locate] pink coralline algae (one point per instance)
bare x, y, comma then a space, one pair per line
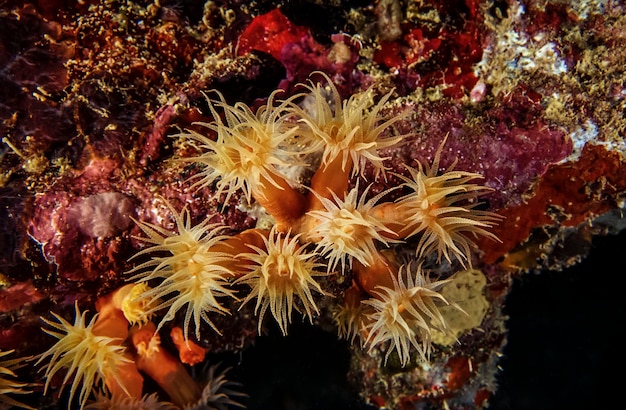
78, 220
520, 102
509, 157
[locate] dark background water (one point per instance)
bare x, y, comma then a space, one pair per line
566, 343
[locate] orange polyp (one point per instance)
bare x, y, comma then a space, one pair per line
333, 177
283, 202
238, 244
162, 367
131, 378
377, 274
188, 351
111, 322
352, 296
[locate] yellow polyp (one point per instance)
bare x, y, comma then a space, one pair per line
135, 307
279, 273
149, 348
89, 351
9, 384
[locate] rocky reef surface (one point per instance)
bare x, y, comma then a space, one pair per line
529, 94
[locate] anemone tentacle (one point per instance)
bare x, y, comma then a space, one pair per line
347, 229
279, 272
249, 148
404, 316
87, 358
191, 275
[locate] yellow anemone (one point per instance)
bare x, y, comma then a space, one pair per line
278, 273
352, 130
87, 358
191, 275
442, 209
347, 229
249, 147
404, 316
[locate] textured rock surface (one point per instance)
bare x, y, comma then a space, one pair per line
530, 94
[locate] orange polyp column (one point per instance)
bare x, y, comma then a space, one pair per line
162, 367
352, 296
377, 274
112, 323
238, 244
284, 203
332, 178
132, 381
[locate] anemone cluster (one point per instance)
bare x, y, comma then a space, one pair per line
320, 227
9, 385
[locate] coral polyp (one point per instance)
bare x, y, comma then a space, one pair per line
191, 275
248, 147
351, 316
308, 150
279, 273
347, 229
87, 359
219, 393
136, 308
404, 316
350, 132
442, 210
147, 402
9, 384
